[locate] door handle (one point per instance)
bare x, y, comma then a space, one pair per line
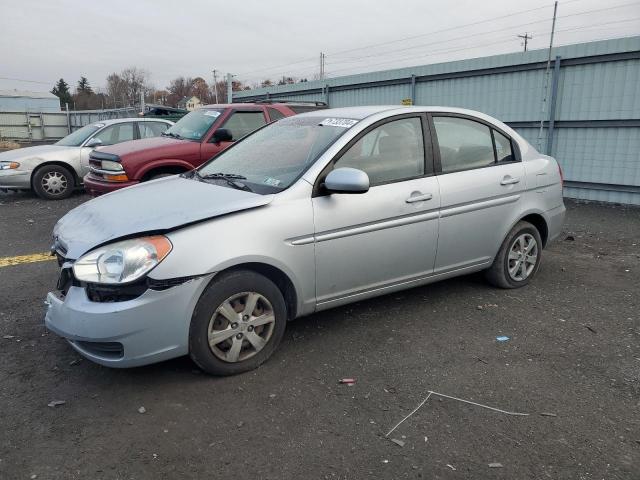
509, 180
419, 198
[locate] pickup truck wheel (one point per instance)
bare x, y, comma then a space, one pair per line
53, 182
237, 324
518, 259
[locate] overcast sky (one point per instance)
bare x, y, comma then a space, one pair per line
45, 40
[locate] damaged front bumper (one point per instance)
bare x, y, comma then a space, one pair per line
150, 328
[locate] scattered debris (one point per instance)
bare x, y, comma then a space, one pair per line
569, 238
142, 410
55, 403
426, 439
30, 220
451, 467
481, 360
495, 465
502, 338
398, 442
240, 424
385, 461
348, 381
33, 477
75, 362
431, 392
272, 395
548, 414
590, 328
480, 307
9, 337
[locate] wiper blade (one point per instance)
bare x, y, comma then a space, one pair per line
230, 178
172, 135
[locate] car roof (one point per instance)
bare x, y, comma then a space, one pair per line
131, 119
360, 113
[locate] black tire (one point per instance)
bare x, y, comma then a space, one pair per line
217, 292
498, 274
53, 182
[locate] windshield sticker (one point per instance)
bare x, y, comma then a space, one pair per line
212, 113
338, 122
274, 182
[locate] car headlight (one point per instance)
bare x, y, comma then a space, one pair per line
122, 262
4, 165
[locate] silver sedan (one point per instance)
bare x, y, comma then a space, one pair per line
308, 213
53, 171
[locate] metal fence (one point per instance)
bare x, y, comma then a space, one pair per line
591, 117
50, 126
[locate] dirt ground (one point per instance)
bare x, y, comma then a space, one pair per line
572, 362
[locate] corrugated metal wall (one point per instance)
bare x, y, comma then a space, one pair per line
46, 126
596, 134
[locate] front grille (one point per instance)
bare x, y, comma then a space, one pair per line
109, 350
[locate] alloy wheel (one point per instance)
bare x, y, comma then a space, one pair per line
523, 256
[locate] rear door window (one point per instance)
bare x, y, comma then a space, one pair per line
464, 144
504, 151
242, 123
118, 133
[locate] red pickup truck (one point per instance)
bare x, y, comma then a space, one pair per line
194, 139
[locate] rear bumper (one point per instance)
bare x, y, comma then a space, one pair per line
151, 328
14, 179
97, 187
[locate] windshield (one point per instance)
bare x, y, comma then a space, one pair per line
194, 125
78, 137
274, 157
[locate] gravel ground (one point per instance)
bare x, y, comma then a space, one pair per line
572, 362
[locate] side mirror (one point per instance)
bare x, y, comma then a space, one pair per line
93, 143
222, 135
347, 180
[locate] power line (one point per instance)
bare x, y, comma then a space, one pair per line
308, 60
23, 80
502, 40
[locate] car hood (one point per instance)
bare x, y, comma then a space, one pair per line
149, 148
155, 206
41, 151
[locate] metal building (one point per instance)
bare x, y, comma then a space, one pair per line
27, 101
591, 114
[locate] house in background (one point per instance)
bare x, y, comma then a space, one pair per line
189, 103
27, 101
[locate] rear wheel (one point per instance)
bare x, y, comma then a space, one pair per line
518, 259
237, 324
53, 182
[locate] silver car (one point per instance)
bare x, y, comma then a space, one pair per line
308, 213
53, 171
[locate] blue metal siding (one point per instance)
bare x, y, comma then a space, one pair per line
597, 81
28, 104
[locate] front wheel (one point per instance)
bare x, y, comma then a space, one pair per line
53, 182
237, 324
518, 259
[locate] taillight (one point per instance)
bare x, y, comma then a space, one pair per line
561, 175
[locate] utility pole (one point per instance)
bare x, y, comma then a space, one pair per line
229, 88
321, 66
525, 37
546, 80
215, 85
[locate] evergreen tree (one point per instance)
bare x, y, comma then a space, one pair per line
61, 90
84, 87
